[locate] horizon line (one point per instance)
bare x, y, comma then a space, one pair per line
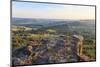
53, 18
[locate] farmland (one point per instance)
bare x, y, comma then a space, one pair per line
47, 41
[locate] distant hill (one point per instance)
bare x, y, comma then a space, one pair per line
43, 22
60, 25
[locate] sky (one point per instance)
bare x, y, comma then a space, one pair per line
51, 11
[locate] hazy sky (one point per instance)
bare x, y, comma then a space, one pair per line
51, 11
